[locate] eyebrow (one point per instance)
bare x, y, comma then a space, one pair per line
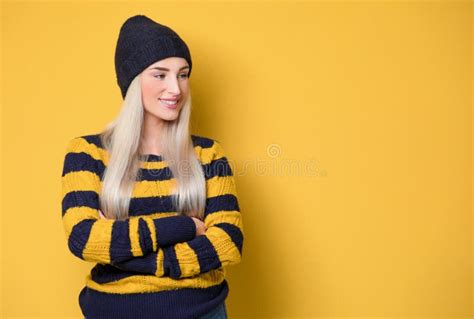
165, 69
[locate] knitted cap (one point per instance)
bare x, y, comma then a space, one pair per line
142, 42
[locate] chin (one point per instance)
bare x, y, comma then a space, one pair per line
171, 117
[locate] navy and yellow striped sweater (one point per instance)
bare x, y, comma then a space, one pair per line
150, 265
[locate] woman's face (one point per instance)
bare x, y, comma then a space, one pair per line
165, 85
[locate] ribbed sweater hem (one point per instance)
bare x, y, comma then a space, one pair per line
184, 303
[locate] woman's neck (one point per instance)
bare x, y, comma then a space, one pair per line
151, 135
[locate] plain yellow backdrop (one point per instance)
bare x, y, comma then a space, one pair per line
349, 125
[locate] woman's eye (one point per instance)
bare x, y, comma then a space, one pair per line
183, 75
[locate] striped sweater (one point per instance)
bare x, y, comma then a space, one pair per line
151, 265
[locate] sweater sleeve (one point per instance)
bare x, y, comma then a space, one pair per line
222, 243
94, 239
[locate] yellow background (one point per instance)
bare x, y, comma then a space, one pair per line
375, 96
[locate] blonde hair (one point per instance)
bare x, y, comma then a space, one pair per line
121, 138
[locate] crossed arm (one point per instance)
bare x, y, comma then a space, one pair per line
164, 246
221, 245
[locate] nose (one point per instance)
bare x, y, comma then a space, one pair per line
173, 87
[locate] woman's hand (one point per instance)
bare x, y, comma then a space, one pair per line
200, 227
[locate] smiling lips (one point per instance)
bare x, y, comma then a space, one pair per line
169, 103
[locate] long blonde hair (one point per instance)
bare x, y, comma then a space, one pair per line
121, 138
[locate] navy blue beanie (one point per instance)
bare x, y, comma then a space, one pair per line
142, 42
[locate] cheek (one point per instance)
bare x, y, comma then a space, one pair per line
147, 89
149, 94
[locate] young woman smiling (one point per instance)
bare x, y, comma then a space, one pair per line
152, 205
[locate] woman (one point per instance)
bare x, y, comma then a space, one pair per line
152, 205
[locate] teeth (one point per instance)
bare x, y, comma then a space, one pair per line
168, 102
